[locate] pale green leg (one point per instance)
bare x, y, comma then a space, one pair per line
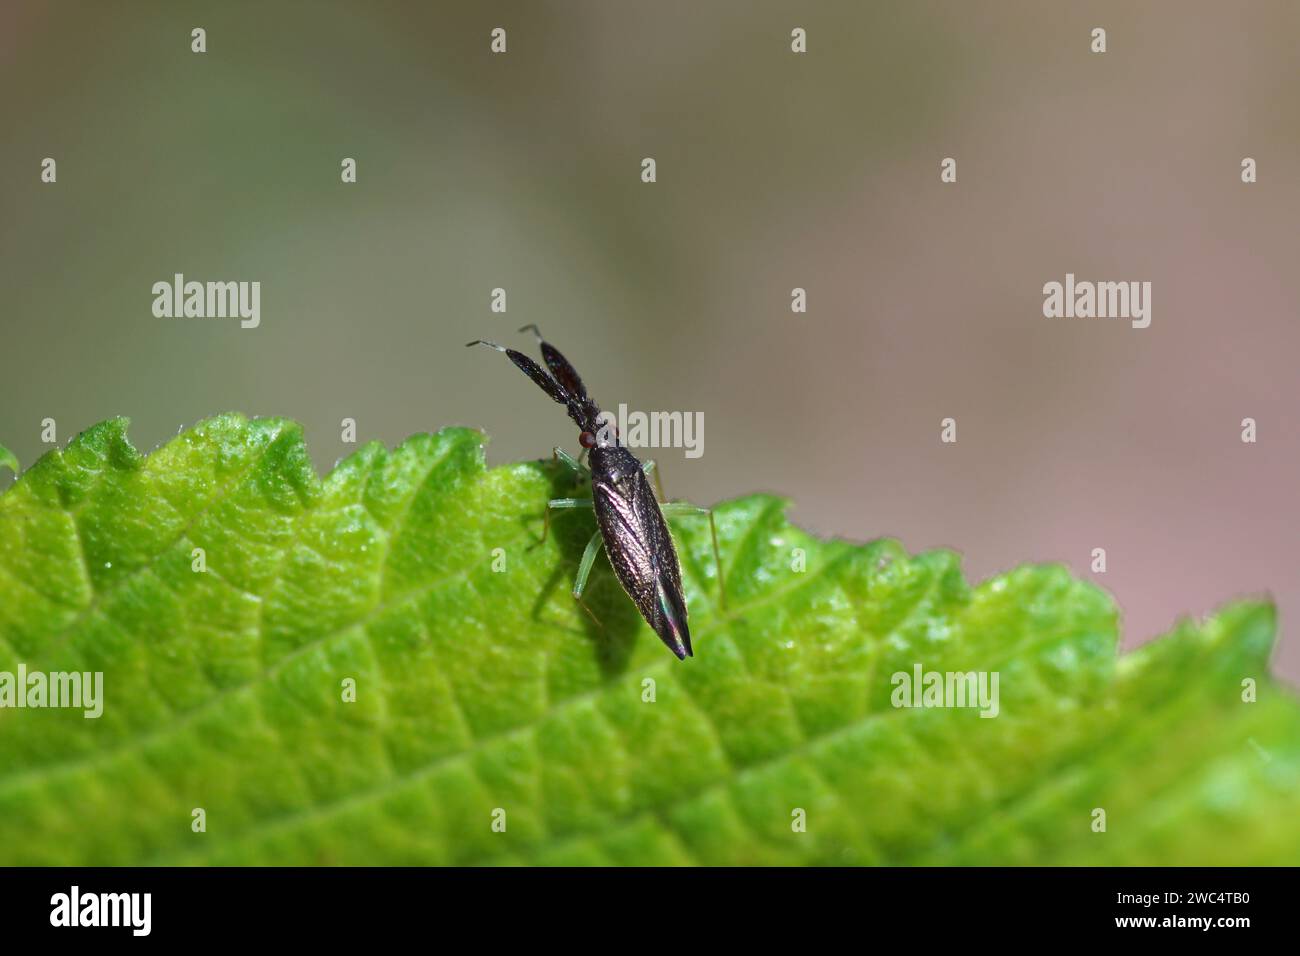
584, 571
681, 508
593, 546
584, 567
559, 503
563, 456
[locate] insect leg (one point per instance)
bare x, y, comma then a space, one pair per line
557, 504
685, 508
563, 456
584, 571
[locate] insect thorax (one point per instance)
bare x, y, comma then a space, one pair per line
613, 463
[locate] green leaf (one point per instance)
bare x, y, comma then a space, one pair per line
8, 459
480, 690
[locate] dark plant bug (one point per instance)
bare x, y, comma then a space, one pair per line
630, 518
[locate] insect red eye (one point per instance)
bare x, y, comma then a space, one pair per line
587, 440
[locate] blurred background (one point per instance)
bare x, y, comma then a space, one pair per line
775, 171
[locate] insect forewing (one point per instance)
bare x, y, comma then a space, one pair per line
641, 552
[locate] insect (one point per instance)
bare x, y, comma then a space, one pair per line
630, 518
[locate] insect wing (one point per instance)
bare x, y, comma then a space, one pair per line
642, 554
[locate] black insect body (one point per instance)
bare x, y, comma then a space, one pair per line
638, 544
630, 517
